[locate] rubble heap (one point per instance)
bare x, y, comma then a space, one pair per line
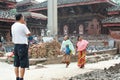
1, 54
48, 49
113, 73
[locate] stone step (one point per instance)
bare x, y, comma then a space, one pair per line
109, 51
35, 61
39, 66
89, 59
98, 57
3, 59
31, 61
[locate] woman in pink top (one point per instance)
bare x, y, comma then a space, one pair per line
81, 49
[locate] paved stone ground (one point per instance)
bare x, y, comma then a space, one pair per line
53, 72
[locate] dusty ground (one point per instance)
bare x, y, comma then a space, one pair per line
113, 73
56, 71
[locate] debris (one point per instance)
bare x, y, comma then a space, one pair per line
43, 50
112, 73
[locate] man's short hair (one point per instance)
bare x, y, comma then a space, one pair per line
18, 17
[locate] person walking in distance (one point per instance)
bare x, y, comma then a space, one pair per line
67, 48
81, 49
20, 34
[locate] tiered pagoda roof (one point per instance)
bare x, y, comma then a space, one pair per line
26, 2
34, 15
68, 3
111, 21
114, 8
24, 5
7, 16
7, 11
8, 1
7, 4
114, 11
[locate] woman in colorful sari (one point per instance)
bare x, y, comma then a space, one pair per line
68, 49
81, 49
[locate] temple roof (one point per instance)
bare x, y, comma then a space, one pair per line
27, 2
35, 15
7, 20
112, 20
67, 3
8, 14
6, 4
114, 8
8, 1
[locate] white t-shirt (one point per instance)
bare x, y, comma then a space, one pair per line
19, 33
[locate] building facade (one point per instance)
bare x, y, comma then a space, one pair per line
112, 22
78, 16
6, 18
36, 22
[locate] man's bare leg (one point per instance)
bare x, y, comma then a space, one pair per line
17, 73
22, 72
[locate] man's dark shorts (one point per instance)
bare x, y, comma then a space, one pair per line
21, 56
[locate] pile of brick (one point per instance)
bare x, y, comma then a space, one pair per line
1, 54
44, 50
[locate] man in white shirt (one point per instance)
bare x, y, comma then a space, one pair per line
20, 34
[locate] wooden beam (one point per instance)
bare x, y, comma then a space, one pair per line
111, 24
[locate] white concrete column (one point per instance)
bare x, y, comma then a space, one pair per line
52, 17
